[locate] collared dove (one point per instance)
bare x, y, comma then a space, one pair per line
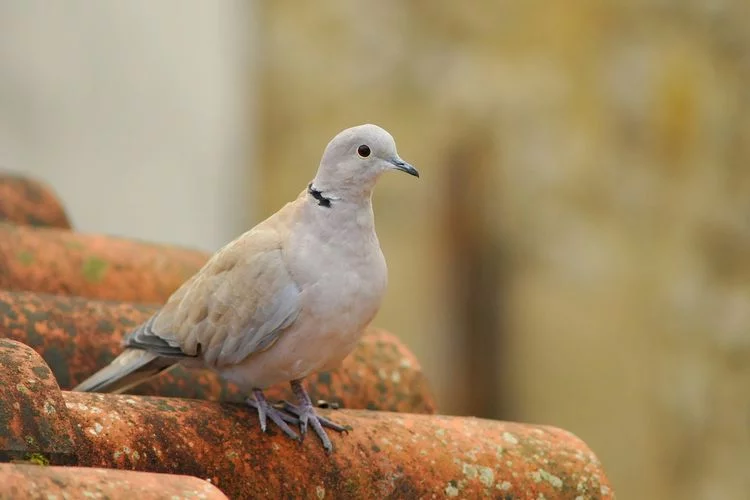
286, 299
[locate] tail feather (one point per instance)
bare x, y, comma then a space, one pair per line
132, 367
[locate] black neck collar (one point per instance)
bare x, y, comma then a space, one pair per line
318, 195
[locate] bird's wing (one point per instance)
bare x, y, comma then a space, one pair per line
237, 304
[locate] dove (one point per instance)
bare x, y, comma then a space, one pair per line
288, 298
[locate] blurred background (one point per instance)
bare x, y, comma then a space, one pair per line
577, 250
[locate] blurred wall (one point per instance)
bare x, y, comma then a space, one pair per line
585, 167
137, 113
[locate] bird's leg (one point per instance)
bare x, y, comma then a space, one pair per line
278, 417
306, 413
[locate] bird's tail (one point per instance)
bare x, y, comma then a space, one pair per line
127, 370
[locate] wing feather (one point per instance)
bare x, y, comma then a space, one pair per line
237, 304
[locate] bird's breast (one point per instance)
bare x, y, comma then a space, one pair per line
344, 279
337, 262
349, 294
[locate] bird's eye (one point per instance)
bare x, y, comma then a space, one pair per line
363, 151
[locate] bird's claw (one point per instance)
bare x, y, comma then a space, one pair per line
295, 410
306, 415
303, 417
280, 418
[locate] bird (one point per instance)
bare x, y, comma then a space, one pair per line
284, 300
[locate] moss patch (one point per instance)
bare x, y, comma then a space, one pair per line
94, 269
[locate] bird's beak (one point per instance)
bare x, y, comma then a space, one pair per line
400, 164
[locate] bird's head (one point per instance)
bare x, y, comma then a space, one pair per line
355, 159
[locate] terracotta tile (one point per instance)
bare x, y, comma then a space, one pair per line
32, 481
53, 260
33, 417
385, 455
29, 202
398, 455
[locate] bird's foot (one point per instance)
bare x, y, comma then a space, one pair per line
305, 413
297, 411
265, 411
